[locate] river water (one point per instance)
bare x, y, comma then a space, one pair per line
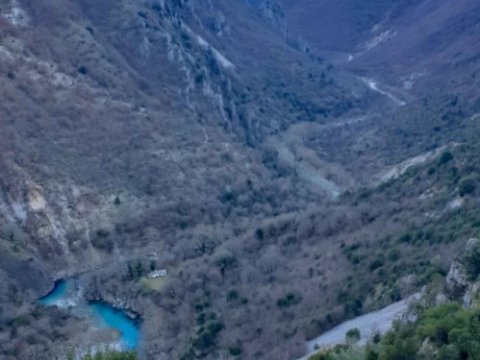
66, 296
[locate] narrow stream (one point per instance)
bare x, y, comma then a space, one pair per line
66, 296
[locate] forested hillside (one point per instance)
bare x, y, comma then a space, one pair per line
237, 177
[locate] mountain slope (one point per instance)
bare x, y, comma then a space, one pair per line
411, 44
127, 127
283, 194
94, 98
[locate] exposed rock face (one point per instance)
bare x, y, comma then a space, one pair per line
92, 289
471, 244
456, 282
22, 281
55, 184
471, 296
440, 299
459, 283
427, 348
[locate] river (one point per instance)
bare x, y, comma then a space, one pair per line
65, 295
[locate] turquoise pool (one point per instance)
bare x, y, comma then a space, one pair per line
57, 295
116, 319
65, 295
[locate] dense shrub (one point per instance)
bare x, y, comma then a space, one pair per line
352, 335
467, 186
375, 264
445, 157
103, 242
225, 260
288, 300
451, 332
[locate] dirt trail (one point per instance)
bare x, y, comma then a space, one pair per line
372, 84
310, 172
394, 172
370, 324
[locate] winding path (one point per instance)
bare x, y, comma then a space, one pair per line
372, 84
377, 322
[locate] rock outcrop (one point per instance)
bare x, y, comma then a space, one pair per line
461, 283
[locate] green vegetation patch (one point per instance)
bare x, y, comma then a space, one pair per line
153, 284
445, 332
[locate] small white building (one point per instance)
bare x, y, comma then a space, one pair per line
157, 274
